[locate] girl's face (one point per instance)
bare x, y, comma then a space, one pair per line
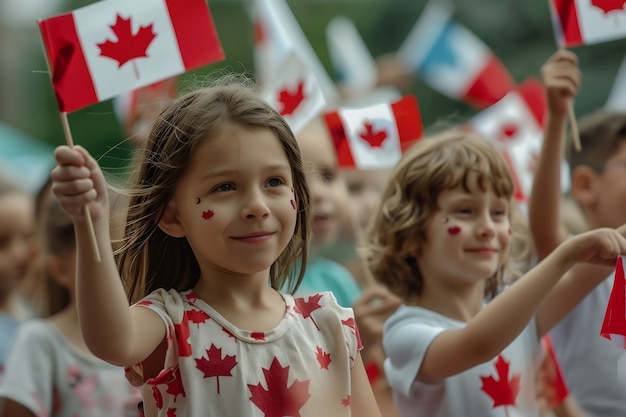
326, 185
235, 205
365, 188
468, 239
17, 245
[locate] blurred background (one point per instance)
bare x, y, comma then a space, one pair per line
520, 33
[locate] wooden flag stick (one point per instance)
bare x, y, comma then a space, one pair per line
92, 233
573, 126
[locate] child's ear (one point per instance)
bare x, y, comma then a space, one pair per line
169, 222
583, 186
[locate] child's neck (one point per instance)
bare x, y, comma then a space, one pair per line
66, 321
461, 305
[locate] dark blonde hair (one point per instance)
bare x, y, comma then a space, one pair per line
148, 258
428, 168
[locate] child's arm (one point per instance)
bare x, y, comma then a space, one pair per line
112, 331
561, 78
362, 398
506, 316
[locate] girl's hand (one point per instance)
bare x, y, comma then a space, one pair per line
77, 181
561, 79
599, 246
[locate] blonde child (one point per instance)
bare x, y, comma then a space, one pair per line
50, 371
218, 216
441, 241
598, 187
17, 228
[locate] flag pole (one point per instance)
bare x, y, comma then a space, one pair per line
571, 115
90, 229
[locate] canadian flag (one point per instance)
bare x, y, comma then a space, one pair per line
277, 33
614, 324
296, 94
453, 60
374, 137
99, 51
617, 97
578, 22
515, 126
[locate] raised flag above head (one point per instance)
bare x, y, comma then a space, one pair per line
515, 126
578, 22
354, 66
452, 60
374, 137
277, 33
617, 96
99, 51
296, 95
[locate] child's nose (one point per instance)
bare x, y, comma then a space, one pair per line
486, 225
255, 205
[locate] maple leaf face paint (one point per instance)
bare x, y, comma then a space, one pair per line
208, 215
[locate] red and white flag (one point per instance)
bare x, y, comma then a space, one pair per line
614, 323
99, 51
296, 94
374, 137
277, 33
617, 96
578, 22
452, 60
515, 126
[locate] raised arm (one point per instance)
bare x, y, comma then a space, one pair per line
112, 330
504, 318
561, 78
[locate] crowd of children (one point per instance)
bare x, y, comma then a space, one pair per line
251, 275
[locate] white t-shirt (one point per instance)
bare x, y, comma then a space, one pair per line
502, 387
212, 368
588, 360
51, 378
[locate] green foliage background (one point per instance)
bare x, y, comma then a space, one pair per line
519, 32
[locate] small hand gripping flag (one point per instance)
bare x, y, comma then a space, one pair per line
99, 51
374, 137
614, 323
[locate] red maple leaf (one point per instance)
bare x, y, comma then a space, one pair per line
174, 383
609, 5
197, 316
503, 391
215, 366
158, 399
305, 308
508, 132
291, 100
346, 401
128, 46
229, 333
279, 399
208, 215
375, 139
171, 412
323, 358
257, 335
182, 336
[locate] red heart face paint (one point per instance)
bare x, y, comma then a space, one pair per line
454, 230
207, 215
197, 201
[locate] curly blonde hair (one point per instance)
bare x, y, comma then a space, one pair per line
428, 168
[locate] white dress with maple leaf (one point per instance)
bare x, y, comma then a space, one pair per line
300, 368
503, 387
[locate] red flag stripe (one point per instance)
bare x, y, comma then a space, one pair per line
408, 120
338, 135
615, 316
533, 94
197, 47
69, 70
568, 20
491, 84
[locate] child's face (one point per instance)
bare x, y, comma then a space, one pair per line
17, 246
235, 204
365, 188
468, 239
327, 187
608, 206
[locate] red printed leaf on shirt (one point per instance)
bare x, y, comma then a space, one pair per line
323, 358
346, 401
279, 399
305, 308
158, 399
374, 139
175, 383
128, 46
215, 366
197, 316
291, 99
182, 336
503, 390
609, 5
171, 412
257, 335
